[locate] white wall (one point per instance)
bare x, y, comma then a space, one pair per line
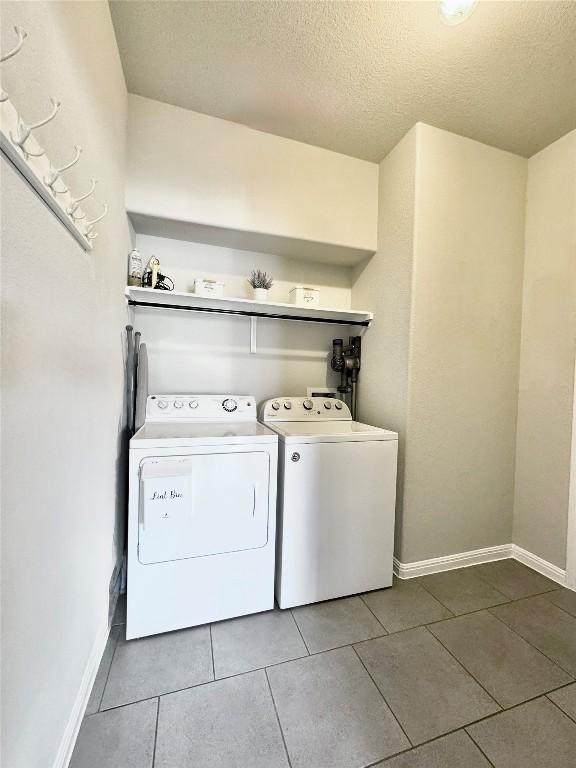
63, 315
442, 367
186, 166
192, 352
546, 394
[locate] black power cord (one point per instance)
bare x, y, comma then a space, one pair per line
161, 284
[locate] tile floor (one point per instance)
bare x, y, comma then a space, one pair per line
474, 667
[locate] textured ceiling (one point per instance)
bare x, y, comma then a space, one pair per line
355, 76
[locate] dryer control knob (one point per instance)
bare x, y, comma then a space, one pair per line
308, 404
338, 405
229, 405
178, 404
193, 404
327, 404
275, 405
287, 405
162, 404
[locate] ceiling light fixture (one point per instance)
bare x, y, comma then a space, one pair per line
456, 11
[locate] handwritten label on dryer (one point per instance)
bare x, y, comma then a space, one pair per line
166, 495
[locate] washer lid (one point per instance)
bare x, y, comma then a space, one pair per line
329, 431
180, 434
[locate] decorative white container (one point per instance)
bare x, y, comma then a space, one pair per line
305, 297
260, 294
209, 288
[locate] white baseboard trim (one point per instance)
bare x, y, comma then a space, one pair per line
449, 562
477, 556
75, 720
538, 564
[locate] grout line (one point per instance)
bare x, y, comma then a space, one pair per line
212, 653
376, 617
558, 705
381, 694
467, 671
294, 619
109, 669
156, 731
473, 740
531, 644
278, 719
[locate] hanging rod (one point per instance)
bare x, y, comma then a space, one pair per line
248, 313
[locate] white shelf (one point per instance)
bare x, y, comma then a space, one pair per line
244, 240
143, 297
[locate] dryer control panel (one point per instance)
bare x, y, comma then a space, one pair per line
304, 409
200, 408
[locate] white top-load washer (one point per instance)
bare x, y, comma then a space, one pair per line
202, 513
336, 500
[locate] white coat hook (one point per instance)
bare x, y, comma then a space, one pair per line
24, 130
73, 207
95, 221
91, 235
22, 35
54, 173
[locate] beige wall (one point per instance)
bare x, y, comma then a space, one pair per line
546, 393
441, 360
384, 285
191, 167
465, 335
62, 319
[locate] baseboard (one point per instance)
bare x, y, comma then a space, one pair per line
449, 562
75, 720
538, 564
477, 556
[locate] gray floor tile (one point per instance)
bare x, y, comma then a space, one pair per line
426, 688
227, 724
457, 750
335, 623
566, 699
545, 626
565, 599
508, 667
462, 591
513, 579
331, 712
159, 664
533, 735
102, 674
405, 605
120, 611
121, 738
252, 642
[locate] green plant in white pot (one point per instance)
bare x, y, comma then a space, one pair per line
261, 284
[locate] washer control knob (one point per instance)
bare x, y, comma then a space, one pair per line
327, 404
308, 404
338, 405
178, 403
229, 405
287, 405
276, 405
162, 404
193, 404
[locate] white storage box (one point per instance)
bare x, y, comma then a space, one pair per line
305, 297
213, 288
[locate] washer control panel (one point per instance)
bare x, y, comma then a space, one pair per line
200, 407
304, 409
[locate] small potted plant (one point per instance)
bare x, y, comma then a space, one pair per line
261, 284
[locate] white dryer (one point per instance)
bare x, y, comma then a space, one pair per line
336, 500
202, 513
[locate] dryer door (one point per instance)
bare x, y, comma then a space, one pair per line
202, 504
